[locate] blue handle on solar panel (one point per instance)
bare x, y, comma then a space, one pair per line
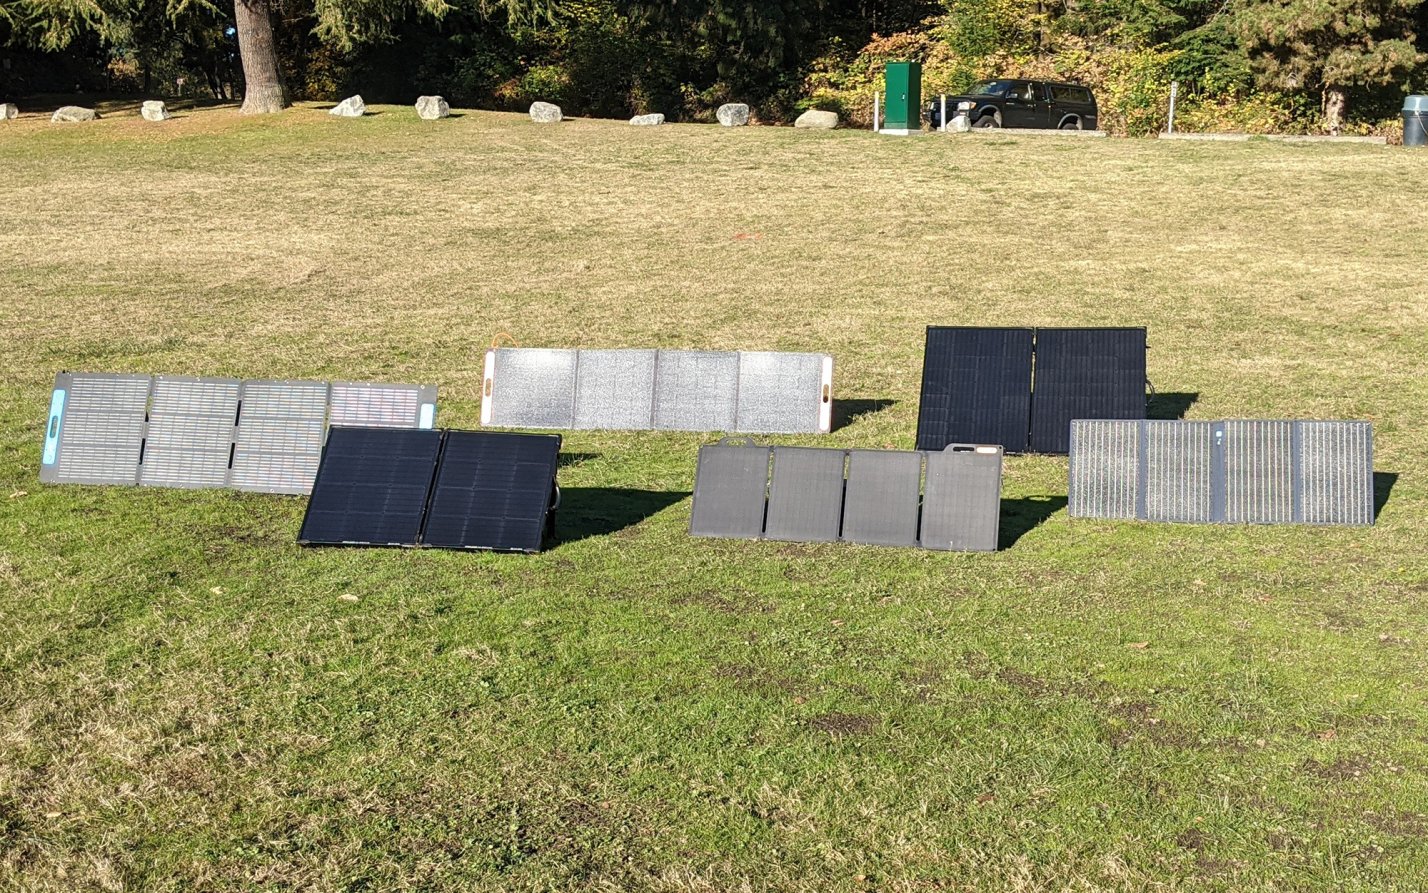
52, 431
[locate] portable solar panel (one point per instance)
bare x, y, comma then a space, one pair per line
190, 435
696, 390
530, 388
94, 433
1237, 471
279, 437
730, 486
961, 505
1084, 374
494, 491
372, 487
976, 387
882, 497
366, 405
614, 389
784, 393
806, 495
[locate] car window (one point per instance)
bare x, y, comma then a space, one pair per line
1069, 93
1023, 90
989, 88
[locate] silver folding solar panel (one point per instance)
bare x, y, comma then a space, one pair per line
366, 405
529, 388
961, 503
281, 429
1336, 470
94, 433
806, 494
784, 393
1105, 469
880, 505
696, 390
190, 435
1236, 471
730, 487
614, 389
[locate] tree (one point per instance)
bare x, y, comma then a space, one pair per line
263, 89
1331, 46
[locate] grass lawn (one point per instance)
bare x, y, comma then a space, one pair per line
189, 701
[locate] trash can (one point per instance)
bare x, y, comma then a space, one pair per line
1415, 121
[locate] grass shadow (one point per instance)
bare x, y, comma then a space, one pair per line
1383, 482
845, 412
598, 511
565, 460
1021, 516
1171, 405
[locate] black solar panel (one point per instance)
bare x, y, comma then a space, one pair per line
1085, 374
976, 387
371, 487
493, 491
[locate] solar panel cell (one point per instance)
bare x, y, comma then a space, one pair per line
190, 434
371, 487
781, 393
1337, 472
493, 491
1104, 469
365, 405
614, 389
1259, 472
882, 497
696, 390
961, 507
533, 388
278, 442
976, 387
806, 494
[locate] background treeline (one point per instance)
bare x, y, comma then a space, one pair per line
1253, 65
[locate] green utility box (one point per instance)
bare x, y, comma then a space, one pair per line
904, 98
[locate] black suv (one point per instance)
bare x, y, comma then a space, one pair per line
1014, 103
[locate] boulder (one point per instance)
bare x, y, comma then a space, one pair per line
351, 107
72, 114
733, 114
817, 119
8, 111
647, 120
429, 108
545, 113
959, 123
154, 110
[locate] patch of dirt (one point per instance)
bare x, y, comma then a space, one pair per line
1342, 769
843, 724
1018, 679
755, 679
1399, 823
727, 604
1339, 622
1191, 839
924, 682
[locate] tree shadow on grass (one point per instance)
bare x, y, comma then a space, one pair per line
598, 511
846, 412
1171, 405
1021, 516
1383, 482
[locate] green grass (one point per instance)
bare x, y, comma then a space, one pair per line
189, 704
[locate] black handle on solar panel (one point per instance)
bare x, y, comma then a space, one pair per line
556, 504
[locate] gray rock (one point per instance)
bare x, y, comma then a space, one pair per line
817, 119
647, 120
351, 107
72, 114
959, 123
154, 110
545, 113
429, 108
8, 111
733, 114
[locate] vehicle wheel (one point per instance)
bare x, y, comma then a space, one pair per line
987, 121
1071, 124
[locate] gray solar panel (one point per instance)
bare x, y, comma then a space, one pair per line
696, 390
806, 494
1237, 471
95, 431
190, 435
961, 506
730, 484
882, 496
784, 393
532, 388
1105, 468
1337, 472
614, 389
279, 438
366, 405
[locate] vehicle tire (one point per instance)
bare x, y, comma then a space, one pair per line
1071, 124
987, 121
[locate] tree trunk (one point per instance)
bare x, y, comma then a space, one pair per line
263, 90
1336, 99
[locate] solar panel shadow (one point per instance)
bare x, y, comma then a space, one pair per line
493, 491
1084, 374
371, 487
976, 387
